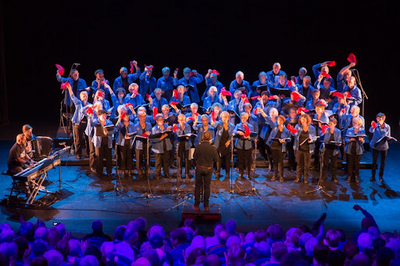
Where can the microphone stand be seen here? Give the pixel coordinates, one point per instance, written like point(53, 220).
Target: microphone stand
point(356, 75)
point(232, 191)
point(319, 187)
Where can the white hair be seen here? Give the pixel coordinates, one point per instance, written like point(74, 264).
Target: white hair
point(240, 73)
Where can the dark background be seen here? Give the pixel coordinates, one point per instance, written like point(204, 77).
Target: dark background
point(227, 36)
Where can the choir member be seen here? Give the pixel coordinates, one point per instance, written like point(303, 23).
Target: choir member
point(179, 97)
point(253, 119)
point(332, 140)
point(262, 81)
point(244, 144)
point(166, 83)
point(320, 118)
point(343, 77)
point(301, 76)
point(324, 67)
point(273, 75)
point(239, 82)
point(354, 113)
point(236, 105)
point(148, 83)
point(202, 128)
point(211, 79)
point(125, 129)
point(191, 78)
point(215, 115)
point(304, 137)
point(98, 83)
point(125, 79)
point(315, 97)
point(117, 98)
point(169, 117)
point(293, 121)
point(223, 138)
point(158, 101)
point(182, 144)
point(102, 141)
point(379, 129)
point(306, 89)
point(212, 98)
point(79, 121)
point(354, 149)
point(133, 97)
point(193, 114)
point(296, 100)
point(325, 91)
point(270, 122)
point(77, 84)
point(161, 146)
point(354, 91)
point(341, 109)
point(142, 129)
point(90, 111)
point(277, 142)
point(99, 97)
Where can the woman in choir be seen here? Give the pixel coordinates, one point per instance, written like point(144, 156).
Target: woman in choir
point(330, 148)
point(125, 128)
point(182, 144)
point(354, 149)
point(223, 139)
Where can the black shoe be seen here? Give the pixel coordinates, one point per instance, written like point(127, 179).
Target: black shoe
point(348, 180)
point(297, 180)
point(305, 180)
point(335, 180)
point(273, 178)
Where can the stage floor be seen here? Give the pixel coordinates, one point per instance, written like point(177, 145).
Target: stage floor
point(86, 197)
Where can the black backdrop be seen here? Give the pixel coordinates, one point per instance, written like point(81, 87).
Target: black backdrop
point(228, 36)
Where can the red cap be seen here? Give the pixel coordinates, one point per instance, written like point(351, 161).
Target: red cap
point(373, 124)
point(331, 64)
point(352, 58)
point(326, 75)
point(324, 128)
point(100, 94)
point(89, 111)
point(127, 105)
point(175, 93)
point(64, 85)
point(291, 129)
point(175, 128)
point(246, 131)
point(338, 94)
point(295, 95)
point(155, 112)
point(132, 66)
point(214, 71)
point(213, 118)
point(149, 67)
point(224, 92)
point(302, 109)
point(173, 103)
point(255, 97)
point(192, 73)
point(60, 69)
point(289, 83)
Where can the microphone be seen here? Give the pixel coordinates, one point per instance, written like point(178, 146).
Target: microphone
point(353, 69)
point(77, 64)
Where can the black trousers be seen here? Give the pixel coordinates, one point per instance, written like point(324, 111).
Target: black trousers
point(182, 157)
point(375, 154)
point(141, 161)
point(125, 154)
point(162, 160)
point(292, 157)
point(316, 153)
point(92, 154)
point(244, 160)
point(328, 155)
point(353, 164)
point(303, 164)
point(103, 152)
point(80, 138)
point(227, 160)
point(203, 180)
point(277, 156)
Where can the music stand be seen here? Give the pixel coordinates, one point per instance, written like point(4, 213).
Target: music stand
point(319, 188)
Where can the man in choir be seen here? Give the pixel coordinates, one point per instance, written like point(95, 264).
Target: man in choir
point(125, 79)
point(341, 109)
point(158, 101)
point(147, 82)
point(90, 111)
point(354, 113)
point(244, 144)
point(320, 118)
point(102, 141)
point(203, 127)
point(354, 91)
point(315, 97)
point(190, 80)
point(134, 97)
point(77, 84)
point(166, 83)
point(301, 76)
point(325, 91)
point(306, 89)
point(211, 80)
point(379, 129)
point(324, 67)
point(161, 146)
point(143, 129)
point(169, 117)
point(182, 144)
point(236, 105)
point(98, 83)
point(239, 82)
point(223, 138)
point(179, 97)
point(125, 129)
point(343, 77)
point(79, 121)
point(273, 75)
point(117, 98)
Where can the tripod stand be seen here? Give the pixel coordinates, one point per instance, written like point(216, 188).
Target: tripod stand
point(319, 187)
point(232, 191)
point(65, 149)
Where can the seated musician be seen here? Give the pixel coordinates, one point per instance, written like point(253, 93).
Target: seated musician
point(244, 144)
point(19, 160)
point(142, 128)
point(79, 121)
point(133, 97)
point(211, 79)
point(191, 77)
point(98, 83)
point(30, 140)
point(202, 128)
point(158, 101)
point(277, 142)
point(125, 79)
point(161, 146)
point(212, 98)
point(102, 141)
point(223, 138)
point(182, 144)
point(123, 140)
point(239, 82)
point(332, 139)
point(354, 149)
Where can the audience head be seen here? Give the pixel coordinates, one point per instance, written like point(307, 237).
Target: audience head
point(364, 241)
point(350, 249)
point(178, 237)
point(212, 260)
point(384, 256)
point(53, 257)
point(89, 260)
point(141, 262)
point(119, 233)
point(39, 247)
point(152, 256)
point(332, 238)
point(361, 260)
point(275, 232)
point(321, 252)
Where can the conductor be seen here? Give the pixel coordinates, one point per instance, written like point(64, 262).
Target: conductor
point(205, 156)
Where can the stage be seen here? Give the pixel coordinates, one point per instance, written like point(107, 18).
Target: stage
point(85, 197)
